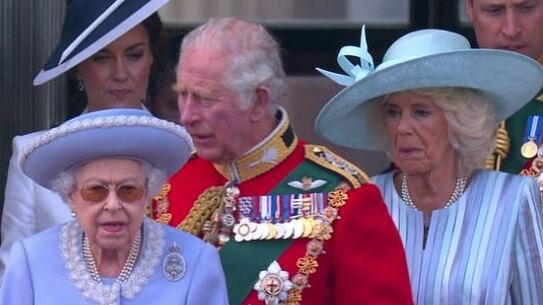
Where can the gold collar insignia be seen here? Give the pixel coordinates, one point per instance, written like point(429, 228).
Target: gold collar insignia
point(267, 154)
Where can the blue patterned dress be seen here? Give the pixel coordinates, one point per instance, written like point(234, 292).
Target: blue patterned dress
point(486, 248)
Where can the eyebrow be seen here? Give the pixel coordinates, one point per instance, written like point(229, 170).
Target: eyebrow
point(129, 48)
point(200, 90)
point(101, 181)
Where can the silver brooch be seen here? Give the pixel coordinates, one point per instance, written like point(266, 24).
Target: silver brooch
point(173, 266)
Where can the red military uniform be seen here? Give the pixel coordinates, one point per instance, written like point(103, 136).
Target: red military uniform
point(363, 260)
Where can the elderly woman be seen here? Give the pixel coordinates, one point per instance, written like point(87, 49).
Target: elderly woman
point(108, 165)
point(471, 236)
point(112, 64)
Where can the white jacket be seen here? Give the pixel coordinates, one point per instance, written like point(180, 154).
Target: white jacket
point(28, 207)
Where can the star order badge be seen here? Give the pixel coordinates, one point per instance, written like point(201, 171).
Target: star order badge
point(273, 285)
point(174, 266)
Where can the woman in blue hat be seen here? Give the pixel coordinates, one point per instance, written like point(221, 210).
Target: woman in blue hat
point(108, 47)
point(108, 165)
point(471, 236)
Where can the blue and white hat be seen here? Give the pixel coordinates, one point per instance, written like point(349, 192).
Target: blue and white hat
point(90, 26)
point(423, 59)
point(123, 133)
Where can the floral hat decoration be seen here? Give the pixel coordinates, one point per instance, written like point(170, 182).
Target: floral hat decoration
point(422, 59)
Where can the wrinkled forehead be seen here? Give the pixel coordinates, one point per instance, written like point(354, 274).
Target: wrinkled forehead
point(118, 168)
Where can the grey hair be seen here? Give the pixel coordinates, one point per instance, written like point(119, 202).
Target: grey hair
point(65, 182)
point(254, 57)
point(470, 118)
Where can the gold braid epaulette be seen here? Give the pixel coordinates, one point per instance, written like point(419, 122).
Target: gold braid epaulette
point(329, 160)
point(207, 203)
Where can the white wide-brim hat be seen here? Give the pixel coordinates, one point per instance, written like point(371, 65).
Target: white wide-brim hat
point(113, 133)
point(91, 25)
point(423, 59)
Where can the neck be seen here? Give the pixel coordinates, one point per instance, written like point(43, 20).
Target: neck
point(433, 189)
point(278, 143)
point(91, 107)
point(110, 262)
point(259, 132)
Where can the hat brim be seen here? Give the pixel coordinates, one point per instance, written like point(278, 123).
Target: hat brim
point(163, 144)
point(506, 79)
point(100, 38)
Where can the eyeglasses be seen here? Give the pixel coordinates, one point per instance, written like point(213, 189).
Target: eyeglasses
point(127, 193)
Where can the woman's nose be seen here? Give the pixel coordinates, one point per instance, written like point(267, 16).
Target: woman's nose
point(119, 70)
point(112, 202)
point(404, 123)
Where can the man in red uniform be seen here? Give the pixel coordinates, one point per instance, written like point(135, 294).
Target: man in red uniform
point(295, 223)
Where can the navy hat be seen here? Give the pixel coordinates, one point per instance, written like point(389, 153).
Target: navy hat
point(90, 26)
point(122, 133)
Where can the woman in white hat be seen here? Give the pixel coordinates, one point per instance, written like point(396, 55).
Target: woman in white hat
point(108, 46)
point(108, 165)
point(471, 236)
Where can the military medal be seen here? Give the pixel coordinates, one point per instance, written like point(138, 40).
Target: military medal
point(174, 266)
point(308, 226)
point(280, 227)
point(244, 230)
point(261, 231)
point(288, 230)
point(298, 228)
point(529, 149)
point(272, 231)
point(532, 137)
point(289, 216)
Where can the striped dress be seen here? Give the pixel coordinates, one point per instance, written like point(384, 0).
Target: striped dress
point(486, 248)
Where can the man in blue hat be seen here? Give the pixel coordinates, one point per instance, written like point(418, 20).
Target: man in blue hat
point(515, 25)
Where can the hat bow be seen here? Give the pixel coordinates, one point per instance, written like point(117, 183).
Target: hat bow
point(354, 72)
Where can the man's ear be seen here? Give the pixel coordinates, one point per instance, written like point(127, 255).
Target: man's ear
point(468, 6)
point(261, 103)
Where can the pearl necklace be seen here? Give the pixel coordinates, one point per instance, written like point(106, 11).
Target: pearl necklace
point(152, 248)
point(128, 265)
point(459, 188)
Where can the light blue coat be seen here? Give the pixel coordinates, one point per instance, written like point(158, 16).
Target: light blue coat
point(36, 274)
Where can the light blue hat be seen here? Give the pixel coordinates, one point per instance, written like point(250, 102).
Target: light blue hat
point(423, 59)
point(126, 133)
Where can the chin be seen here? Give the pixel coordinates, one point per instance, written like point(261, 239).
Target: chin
point(209, 154)
point(114, 245)
point(414, 168)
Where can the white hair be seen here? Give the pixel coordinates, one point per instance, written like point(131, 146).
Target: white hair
point(65, 182)
point(470, 119)
point(254, 57)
